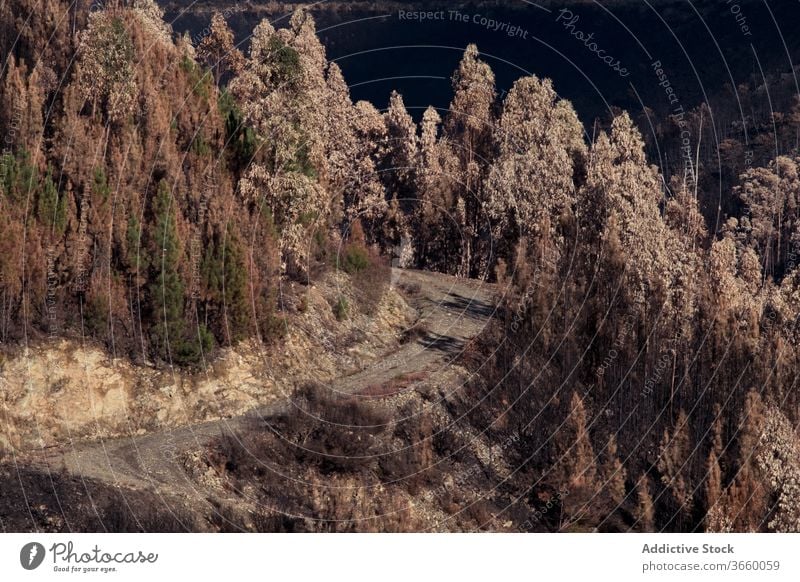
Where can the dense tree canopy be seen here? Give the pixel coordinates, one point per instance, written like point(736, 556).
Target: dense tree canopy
point(153, 196)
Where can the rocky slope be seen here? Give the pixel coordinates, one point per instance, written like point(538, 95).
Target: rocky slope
point(407, 464)
point(62, 391)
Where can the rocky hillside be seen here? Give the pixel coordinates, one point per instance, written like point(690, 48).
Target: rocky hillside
point(60, 390)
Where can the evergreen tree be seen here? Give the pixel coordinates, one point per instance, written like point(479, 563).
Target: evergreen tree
point(166, 289)
point(52, 206)
point(225, 280)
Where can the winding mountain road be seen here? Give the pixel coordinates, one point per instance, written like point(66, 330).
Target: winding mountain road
point(450, 311)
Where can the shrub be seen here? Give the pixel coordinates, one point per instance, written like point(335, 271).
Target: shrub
point(340, 309)
point(369, 271)
point(192, 351)
point(355, 260)
point(273, 327)
point(339, 434)
point(355, 255)
point(95, 315)
point(372, 283)
point(122, 515)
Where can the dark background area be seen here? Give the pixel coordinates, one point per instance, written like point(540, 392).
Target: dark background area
point(701, 45)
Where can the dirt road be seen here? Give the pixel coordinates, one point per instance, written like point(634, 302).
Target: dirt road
point(450, 313)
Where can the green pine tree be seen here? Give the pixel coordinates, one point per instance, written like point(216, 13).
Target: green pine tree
point(52, 207)
point(225, 278)
point(236, 305)
point(166, 289)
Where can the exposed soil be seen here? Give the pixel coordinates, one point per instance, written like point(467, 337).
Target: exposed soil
point(451, 312)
